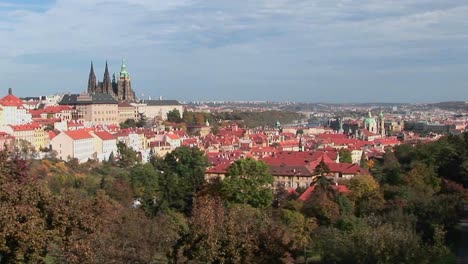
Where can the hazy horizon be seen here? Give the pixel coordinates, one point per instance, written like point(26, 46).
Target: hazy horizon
point(331, 51)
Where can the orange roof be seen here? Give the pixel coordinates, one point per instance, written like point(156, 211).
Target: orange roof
point(51, 134)
point(11, 100)
point(78, 134)
point(56, 109)
point(25, 127)
point(104, 135)
point(219, 168)
point(173, 136)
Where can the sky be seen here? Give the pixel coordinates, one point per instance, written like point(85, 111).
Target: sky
point(337, 51)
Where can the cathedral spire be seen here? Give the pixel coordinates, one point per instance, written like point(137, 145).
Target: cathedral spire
point(106, 82)
point(92, 80)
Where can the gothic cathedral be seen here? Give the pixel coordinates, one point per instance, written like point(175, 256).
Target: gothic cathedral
point(120, 89)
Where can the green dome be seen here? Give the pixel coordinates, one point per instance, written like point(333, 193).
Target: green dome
point(123, 70)
point(370, 120)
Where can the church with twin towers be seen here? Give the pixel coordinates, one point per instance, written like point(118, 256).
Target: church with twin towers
point(120, 88)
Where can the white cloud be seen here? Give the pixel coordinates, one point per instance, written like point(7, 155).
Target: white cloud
point(279, 40)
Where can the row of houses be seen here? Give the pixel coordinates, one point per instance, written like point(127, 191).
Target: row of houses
point(291, 169)
point(90, 109)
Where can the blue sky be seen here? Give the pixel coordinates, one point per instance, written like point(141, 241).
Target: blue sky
point(308, 51)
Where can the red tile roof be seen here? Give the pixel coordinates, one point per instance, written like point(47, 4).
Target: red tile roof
point(104, 135)
point(51, 134)
point(287, 170)
point(78, 134)
point(25, 127)
point(11, 100)
point(173, 136)
point(347, 168)
point(332, 136)
point(219, 168)
point(56, 109)
point(298, 158)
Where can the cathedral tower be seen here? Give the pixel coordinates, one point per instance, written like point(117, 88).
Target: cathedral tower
point(124, 85)
point(120, 88)
point(92, 80)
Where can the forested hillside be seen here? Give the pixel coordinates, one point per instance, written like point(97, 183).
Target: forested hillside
point(123, 211)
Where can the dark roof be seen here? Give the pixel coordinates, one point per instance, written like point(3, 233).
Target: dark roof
point(162, 102)
point(83, 99)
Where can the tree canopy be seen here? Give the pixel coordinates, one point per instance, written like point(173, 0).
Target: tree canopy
point(248, 182)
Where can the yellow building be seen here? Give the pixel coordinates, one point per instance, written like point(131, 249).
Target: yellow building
point(127, 111)
point(41, 139)
point(32, 133)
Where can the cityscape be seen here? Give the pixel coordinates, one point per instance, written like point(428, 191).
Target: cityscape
point(286, 160)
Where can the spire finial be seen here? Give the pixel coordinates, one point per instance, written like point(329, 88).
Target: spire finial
point(10, 91)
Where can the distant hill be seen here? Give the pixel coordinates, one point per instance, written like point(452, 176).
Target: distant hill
point(453, 106)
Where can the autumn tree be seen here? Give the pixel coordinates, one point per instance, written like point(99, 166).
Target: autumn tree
point(238, 234)
point(366, 194)
point(322, 204)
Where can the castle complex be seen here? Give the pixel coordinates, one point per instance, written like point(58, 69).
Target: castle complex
point(120, 89)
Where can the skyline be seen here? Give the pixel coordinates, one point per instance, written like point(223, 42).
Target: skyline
point(321, 51)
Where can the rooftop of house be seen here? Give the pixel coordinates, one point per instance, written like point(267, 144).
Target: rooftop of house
point(162, 102)
point(104, 135)
point(11, 100)
point(86, 99)
point(78, 134)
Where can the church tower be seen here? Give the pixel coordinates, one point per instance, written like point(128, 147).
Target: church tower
point(370, 123)
point(381, 124)
point(106, 82)
point(124, 86)
point(92, 80)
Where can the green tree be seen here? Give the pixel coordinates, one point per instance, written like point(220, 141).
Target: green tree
point(142, 121)
point(174, 116)
point(129, 123)
point(363, 161)
point(248, 182)
point(392, 173)
point(145, 184)
point(321, 179)
point(345, 156)
point(380, 244)
point(182, 174)
point(127, 156)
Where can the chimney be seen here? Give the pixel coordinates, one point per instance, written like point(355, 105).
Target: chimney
point(10, 91)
